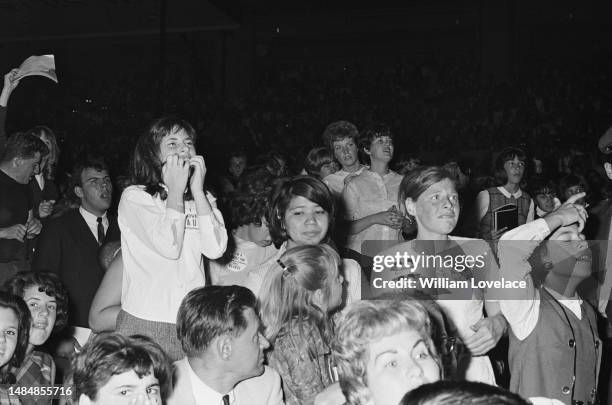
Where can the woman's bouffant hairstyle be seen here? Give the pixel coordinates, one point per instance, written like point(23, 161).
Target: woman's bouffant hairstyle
point(337, 131)
point(290, 288)
point(501, 178)
point(418, 181)
point(111, 354)
point(249, 202)
point(308, 187)
point(54, 152)
point(316, 159)
point(365, 322)
point(19, 307)
point(48, 283)
point(145, 167)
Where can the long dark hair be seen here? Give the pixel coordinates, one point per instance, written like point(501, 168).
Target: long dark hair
point(19, 307)
point(145, 167)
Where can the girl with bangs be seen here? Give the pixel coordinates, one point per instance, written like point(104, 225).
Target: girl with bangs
point(509, 171)
point(168, 223)
point(15, 332)
point(47, 300)
point(300, 212)
point(302, 291)
point(429, 196)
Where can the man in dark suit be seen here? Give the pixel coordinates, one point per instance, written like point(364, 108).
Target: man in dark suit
point(69, 245)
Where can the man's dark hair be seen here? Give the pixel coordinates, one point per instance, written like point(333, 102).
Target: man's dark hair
point(112, 354)
point(461, 393)
point(25, 146)
point(48, 283)
point(88, 161)
point(209, 312)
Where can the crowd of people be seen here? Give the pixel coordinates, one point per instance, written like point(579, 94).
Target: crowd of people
point(257, 282)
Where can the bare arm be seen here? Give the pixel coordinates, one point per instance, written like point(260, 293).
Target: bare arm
point(107, 302)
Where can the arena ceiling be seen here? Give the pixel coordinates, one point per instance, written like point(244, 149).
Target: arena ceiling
point(26, 20)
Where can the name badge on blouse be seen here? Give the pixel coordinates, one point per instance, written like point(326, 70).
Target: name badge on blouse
point(238, 262)
point(191, 220)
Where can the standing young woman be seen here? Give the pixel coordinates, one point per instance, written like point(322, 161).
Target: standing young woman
point(509, 172)
point(167, 223)
point(429, 195)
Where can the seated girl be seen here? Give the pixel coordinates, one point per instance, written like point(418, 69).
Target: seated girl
point(15, 330)
point(320, 163)
point(301, 211)
point(250, 247)
point(384, 349)
point(47, 300)
point(301, 292)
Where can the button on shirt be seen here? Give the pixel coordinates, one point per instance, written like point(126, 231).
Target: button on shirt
point(522, 311)
point(92, 222)
point(203, 394)
point(367, 194)
point(335, 181)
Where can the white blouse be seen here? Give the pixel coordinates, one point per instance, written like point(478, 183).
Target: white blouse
point(162, 252)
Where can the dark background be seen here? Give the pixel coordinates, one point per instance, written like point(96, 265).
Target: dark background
point(449, 76)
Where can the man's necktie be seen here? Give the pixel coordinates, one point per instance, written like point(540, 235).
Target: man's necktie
point(100, 231)
point(226, 399)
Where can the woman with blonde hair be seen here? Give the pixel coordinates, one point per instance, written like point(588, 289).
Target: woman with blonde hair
point(301, 294)
point(384, 349)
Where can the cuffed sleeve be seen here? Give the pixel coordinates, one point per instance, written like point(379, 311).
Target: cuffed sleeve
point(212, 232)
point(521, 307)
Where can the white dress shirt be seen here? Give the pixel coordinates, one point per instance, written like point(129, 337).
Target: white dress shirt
point(92, 221)
point(203, 394)
point(162, 252)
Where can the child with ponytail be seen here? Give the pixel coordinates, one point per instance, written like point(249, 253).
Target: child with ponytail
point(298, 297)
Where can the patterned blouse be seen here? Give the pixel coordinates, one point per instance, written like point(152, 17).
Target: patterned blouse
point(37, 369)
point(303, 376)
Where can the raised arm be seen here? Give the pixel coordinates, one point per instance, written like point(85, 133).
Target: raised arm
point(521, 306)
point(9, 85)
point(212, 228)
